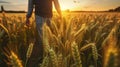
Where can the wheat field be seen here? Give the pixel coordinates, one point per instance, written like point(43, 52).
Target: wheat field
point(77, 40)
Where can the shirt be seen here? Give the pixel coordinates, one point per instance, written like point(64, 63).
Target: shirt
point(43, 8)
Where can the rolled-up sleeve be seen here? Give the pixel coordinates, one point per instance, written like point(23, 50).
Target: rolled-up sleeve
point(30, 8)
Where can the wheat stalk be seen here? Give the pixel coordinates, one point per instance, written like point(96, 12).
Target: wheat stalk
point(45, 62)
point(76, 55)
point(78, 36)
point(54, 28)
point(60, 63)
point(14, 60)
point(2, 33)
point(6, 30)
point(29, 52)
point(94, 52)
point(68, 30)
point(112, 61)
point(53, 58)
point(87, 46)
point(45, 39)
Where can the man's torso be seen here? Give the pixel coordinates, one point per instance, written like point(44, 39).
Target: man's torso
point(43, 8)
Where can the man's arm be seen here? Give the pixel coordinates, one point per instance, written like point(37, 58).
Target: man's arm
point(57, 7)
point(30, 9)
point(29, 13)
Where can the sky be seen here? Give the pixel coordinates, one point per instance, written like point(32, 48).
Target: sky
point(87, 5)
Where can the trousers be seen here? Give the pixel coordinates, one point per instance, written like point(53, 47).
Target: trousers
point(39, 23)
point(37, 54)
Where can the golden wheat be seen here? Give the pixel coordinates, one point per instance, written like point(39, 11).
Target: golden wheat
point(14, 60)
point(94, 52)
point(29, 52)
point(53, 58)
point(67, 42)
point(45, 62)
point(76, 55)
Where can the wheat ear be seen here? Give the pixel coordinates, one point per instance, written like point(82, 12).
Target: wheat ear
point(14, 60)
point(29, 52)
point(53, 57)
point(94, 52)
point(45, 62)
point(76, 55)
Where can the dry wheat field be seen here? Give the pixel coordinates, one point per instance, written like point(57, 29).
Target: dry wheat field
point(77, 40)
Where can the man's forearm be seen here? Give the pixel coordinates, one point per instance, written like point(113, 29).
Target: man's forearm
point(59, 11)
point(57, 7)
point(30, 8)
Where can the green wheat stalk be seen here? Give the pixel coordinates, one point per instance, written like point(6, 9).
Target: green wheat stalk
point(45, 62)
point(14, 60)
point(53, 58)
point(76, 55)
point(29, 52)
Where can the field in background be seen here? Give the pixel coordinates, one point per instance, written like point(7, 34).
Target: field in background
point(78, 40)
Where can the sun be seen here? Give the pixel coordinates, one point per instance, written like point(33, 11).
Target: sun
point(66, 7)
point(66, 4)
point(63, 8)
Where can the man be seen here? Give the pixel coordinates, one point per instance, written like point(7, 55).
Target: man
point(43, 9)
point(43, 13)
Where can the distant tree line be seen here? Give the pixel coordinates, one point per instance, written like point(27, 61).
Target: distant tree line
point(10, 11)
point(13, 11)
point(115, 10)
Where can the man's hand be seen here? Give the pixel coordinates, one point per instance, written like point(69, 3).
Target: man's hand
point(57, 7)
point(27, 22)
